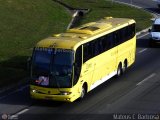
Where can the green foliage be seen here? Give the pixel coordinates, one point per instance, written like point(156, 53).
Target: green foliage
point(103, 8)
point(23, 23)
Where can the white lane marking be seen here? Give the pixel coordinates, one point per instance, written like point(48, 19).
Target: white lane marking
point(17, 114)
point(142, 50)
point(20, 89)
point(142, 35)
point(130, 4)
point(22, 111)
point(147, 78)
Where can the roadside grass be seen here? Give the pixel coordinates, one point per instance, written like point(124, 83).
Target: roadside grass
point(103, 8)
point(22, 24)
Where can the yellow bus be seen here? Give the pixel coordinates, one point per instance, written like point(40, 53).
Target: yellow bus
point(66, 66)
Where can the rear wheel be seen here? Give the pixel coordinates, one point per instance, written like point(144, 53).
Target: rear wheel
point(125, 66)
point(119, 70)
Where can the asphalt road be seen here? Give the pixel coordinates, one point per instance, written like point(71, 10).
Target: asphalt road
point(149, 5)
point(141, 3)
point(134, 95)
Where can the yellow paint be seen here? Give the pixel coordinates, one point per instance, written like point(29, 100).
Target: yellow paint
point(95, 68)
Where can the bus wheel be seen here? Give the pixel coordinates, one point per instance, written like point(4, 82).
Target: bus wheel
point(119, 70)
point(125, 66)
point(83, 92)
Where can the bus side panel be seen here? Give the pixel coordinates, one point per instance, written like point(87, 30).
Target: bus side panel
point(113, 60)
point(133, 50)
point(87, 71)
point(101, 68)
point(105, 65)
point(126, 51)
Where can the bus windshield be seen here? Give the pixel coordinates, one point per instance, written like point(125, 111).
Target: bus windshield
point(52, 67)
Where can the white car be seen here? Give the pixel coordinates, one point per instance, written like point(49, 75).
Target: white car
point(158, 2)
point(155, 32)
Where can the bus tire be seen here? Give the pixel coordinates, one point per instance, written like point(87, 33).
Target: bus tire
point(125, 65)
point(119, 70)
point(83, 92)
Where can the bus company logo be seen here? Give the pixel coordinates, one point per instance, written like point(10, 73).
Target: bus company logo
point(4, 116)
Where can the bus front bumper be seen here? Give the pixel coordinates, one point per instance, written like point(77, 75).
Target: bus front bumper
point(65, 98)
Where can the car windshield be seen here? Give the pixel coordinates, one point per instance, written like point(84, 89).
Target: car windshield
point(156, 28)
point(53, 66)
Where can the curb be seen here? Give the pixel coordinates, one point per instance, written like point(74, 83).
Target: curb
point(143, 31)
point(135, 6)
point(156, 15)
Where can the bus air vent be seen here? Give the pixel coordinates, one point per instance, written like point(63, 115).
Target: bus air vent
point(108, 17)
point(83, 37)
point(91, 28)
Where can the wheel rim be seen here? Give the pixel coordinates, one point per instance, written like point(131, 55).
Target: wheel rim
point(119, 71)
point(83, 92)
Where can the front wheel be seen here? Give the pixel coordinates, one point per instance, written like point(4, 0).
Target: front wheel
point(83, 92)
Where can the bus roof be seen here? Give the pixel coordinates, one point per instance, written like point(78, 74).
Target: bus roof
point(76, 36)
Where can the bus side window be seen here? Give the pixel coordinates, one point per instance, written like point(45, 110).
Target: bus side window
point(78, 56)
point(104, 43)
point(116, 37)
point(130, 31)
point(95, 45)
point(110, 41)
point(78, 64)
point(132, 28)
point(122, 35)
point(100, 44)
point(87, 51)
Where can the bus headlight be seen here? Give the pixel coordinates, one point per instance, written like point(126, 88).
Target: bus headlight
point(34, 91)
point(65, 93)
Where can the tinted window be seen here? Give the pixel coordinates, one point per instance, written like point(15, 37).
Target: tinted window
point(106, 42)
point(88, 51)
point(78, 64)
